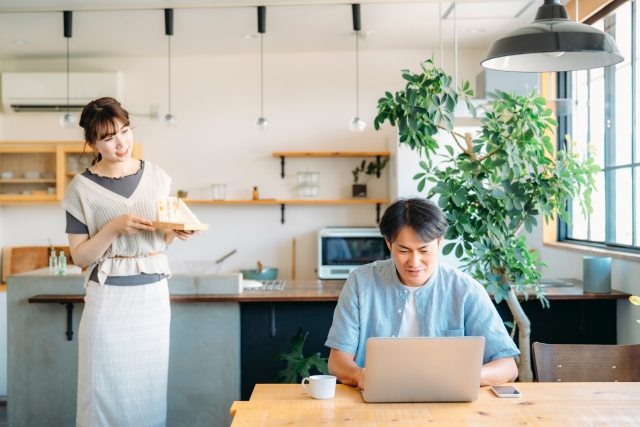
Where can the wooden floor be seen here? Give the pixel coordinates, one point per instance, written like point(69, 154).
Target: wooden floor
point(541, 404)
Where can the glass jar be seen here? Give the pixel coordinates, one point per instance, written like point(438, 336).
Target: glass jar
point(219, 191)
point(308, 190)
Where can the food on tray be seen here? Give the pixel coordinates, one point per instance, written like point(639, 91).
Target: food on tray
point(173, 210)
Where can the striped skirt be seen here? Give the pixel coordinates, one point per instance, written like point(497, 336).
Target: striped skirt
point(124, 356)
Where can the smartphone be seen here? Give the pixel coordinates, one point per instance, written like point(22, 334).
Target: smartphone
point(505, 391)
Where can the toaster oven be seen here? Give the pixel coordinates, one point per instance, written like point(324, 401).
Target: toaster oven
point(342, 249)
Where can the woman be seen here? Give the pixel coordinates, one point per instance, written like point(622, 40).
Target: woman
point(124, 331)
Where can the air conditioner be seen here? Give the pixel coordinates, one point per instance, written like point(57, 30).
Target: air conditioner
point(43, 92)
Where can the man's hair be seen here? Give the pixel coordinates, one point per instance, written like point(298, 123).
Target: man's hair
point(423, 216)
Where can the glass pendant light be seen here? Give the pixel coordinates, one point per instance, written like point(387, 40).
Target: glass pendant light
point(553, 43)
point(68, 120)
point(262, 123)
point(169, 120)
point(357, 124)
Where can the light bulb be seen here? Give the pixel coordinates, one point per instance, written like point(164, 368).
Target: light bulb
point(170, 121)
point(357, 125)
point(262, 124)
point(553, 54)
point(68, 121)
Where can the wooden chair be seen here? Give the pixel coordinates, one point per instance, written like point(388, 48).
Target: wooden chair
point(586, 363)
point(20, 259)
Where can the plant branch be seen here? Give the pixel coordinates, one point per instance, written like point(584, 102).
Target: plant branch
point(486, 156)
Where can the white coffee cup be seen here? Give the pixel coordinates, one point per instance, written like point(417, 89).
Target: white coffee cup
point(321, 386)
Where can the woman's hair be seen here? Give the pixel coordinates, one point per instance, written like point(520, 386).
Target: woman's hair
point(423, 216)
point(99, 120)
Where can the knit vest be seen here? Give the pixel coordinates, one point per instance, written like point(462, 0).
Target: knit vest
point(95, 206)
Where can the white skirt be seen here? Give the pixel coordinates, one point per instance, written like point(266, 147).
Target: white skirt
point(124, 356)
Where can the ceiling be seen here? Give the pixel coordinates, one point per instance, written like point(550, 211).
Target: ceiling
point(136, 28)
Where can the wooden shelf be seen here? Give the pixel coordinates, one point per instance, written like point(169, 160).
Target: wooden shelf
point(28, 181)
point(283, 203)
point(332, 154)
point(288, 202)
point(8, 199)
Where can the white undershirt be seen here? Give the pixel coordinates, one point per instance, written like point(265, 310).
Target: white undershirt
point(409, 326)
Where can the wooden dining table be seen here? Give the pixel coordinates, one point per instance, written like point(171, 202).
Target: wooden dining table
point(540, 404)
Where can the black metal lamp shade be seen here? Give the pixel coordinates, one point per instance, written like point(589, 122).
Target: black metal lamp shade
point(553, 43)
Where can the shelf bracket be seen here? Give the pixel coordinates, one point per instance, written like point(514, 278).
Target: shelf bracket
point(282, 166)
point(69, 307)
point(378, 171)
point(377, 213)
point(272, 320)
point(282, 213)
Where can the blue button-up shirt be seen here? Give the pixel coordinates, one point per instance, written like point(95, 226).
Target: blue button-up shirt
point(450, 304)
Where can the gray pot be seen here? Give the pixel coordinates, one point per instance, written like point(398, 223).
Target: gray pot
point(596, 275)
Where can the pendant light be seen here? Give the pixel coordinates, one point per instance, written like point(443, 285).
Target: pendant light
point(553, 43)
point(68, 120)
point(169, 120)
point(262, 123)
point(357, 124)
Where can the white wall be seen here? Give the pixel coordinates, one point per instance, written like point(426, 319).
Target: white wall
point(309, 100)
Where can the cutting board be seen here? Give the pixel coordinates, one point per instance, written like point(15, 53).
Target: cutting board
point(180, 226)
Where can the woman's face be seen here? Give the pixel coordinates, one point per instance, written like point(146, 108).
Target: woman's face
point(116, 148)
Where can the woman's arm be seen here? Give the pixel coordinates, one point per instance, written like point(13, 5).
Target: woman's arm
point(343, 367)
point(499, 371)
point(85, 250)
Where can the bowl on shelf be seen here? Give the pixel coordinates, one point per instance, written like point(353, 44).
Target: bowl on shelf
point(32, 175)
point(48, 175)
point(6, 175)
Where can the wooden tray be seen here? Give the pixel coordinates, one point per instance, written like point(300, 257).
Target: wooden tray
point(180, 226)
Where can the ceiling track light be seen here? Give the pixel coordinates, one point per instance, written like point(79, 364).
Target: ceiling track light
point(553, 43)
point(68, 120)
point(169, 120)
point(357, 124)
point(262, 123)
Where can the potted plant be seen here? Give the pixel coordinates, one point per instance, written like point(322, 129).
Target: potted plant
point(298, 366)
point(493, 185)
point(359, 188)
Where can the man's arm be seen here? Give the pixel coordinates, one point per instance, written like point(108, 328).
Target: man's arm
point(498, 371)
point(342, 365)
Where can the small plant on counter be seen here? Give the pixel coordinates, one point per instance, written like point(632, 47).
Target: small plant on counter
point(297, 365)
point(493, 185)
point(373, 168)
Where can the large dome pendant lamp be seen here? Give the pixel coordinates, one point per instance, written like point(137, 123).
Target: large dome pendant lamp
point(68, 120)
point(169, 120)
point(553, 43)
point(262, 123)
point(357, 124)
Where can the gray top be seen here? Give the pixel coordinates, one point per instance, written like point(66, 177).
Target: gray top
point(450, 304)
point(125, 187)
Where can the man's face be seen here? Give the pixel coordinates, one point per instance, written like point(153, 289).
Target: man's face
point(415, 260)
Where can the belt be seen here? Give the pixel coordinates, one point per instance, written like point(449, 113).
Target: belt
point(135, 256)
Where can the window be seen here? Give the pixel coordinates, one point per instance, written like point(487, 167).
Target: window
point(604, 113)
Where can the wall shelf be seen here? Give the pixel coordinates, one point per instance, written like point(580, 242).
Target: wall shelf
point(283, 203)
point(28, 181)
point(283, 154)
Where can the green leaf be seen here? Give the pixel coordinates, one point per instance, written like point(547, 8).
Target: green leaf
point(421, 185)
point(412, 123)
point(449, 149)
point(498, 194)
point(551, 121)
point(419, 175)
point(446, 250)
point(459, 250)
point(297, 365)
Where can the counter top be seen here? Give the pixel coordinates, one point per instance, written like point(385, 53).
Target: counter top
point(320, 291)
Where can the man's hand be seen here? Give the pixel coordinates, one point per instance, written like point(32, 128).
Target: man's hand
point(499, 371)
point(343, 366)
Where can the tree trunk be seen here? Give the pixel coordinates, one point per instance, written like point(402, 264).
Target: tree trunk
point(522, 322)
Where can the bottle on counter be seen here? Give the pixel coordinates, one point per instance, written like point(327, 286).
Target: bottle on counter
point(53, 263)
point(255, 193)
point(62, 264)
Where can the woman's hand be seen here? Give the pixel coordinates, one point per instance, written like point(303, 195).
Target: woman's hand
point(183, 235)
point(129, 224)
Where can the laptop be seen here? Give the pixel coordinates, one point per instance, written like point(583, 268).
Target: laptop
point(443, 369)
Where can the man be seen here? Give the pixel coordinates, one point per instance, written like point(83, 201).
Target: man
point(412, 295)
